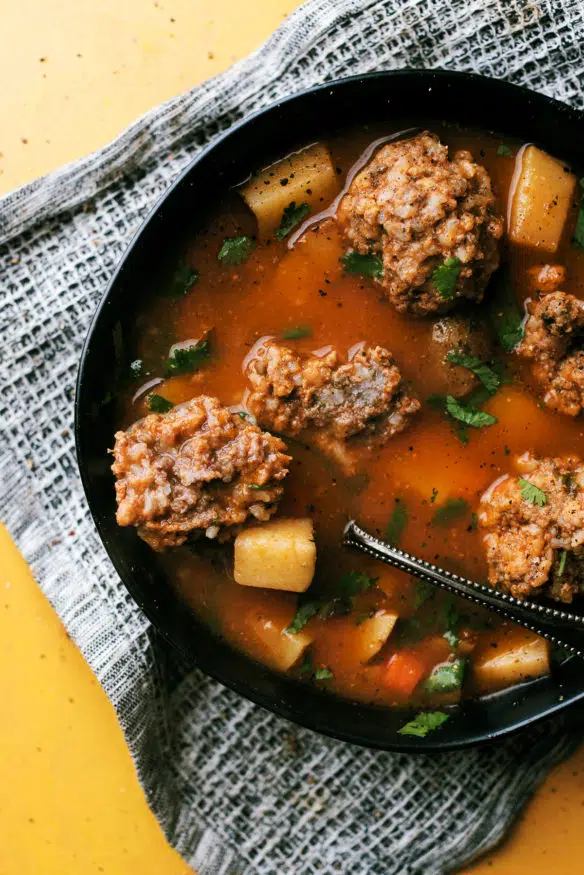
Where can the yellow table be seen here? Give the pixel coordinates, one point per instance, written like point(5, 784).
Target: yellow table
point(74, 73)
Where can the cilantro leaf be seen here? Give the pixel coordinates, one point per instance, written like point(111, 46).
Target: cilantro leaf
point(307, 666)
point(158, 404)
point(188, 358)
point(578, 238)
point(363, 265)
point(291, 217)
point(451, 621)
point(504, 151)
point(532, 493)
point(353, 583)
point(451, 510)
point(445, 277)
point(562, 562)
point(490, 379)
point(236, 250)
point(182, 280)
point(467, 414)
point(505, 315)
point(424, 591)
point(323, 674)
point(423, 723)
point(304, 613)
point(446, 678)
point(297, 331)
point(397, 523)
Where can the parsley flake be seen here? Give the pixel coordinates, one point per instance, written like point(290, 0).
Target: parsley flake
point(236, 250)
point(424, 591)
point(291, 217)
point(182, 280)
point(188, 358)
point(505, 315)
point(350, 585)
point(363, 265)
point(504, 151)
point(468, 414)
point(397, 523)
point(532, 493)
point(307, 667)
point(296, 332)
point(446, 677)
point(158, 404)
point(490, 379)
point(423, 723)
point(323, 674)
point(445, 277)
point(562, 563)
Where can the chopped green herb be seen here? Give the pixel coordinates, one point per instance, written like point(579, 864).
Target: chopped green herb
point(451, 621)
point(304, 613)
point(158, 404)
point(434, 495)
point(363, 265)
point(423, 723)
point(242, 414)
point(446, 678)
point(578, 238)
point(451, 510)
point(397, 523)
point(307, 666)
point(259, 486)
point(182, 280)
point(323, 674)
point(424, 591)
point(468, 414)
point(236, 250)
point(504, 151)
point(445, 277)
point(474, 521)
point(297, 331)
point(490, 379)
point(353, 583)
point(562, 565)
point(507, 450)
point(504, 314)
point(136, 367)
point(291, 217)
point(532, 493)
point(185, 359)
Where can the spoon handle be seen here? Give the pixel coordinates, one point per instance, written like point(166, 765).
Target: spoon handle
point(560, 627)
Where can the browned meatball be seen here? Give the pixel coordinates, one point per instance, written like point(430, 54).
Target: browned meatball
point(417, 209)
point(197, 469)
point(455, 334)
point(364, 398)
point(554, 341)
point(535, 541)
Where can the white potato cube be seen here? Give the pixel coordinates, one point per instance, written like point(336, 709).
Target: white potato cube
point(540, 201)
point(270, 643)
point(306, 177)
point(279, 554)
point(372, 633)
point(525, 659)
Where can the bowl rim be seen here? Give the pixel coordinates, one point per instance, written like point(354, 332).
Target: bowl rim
point(396, 743)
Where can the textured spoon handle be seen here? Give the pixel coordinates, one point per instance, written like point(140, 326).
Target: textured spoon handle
point(560, 627)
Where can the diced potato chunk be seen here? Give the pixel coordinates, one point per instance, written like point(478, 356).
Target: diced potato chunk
point(526, 658)
point(541, 201)
point(372, 633)
point(270, 643)
point(309, 176)
point(279, 554)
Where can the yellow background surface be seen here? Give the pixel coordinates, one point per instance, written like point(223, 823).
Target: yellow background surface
point(73, 74)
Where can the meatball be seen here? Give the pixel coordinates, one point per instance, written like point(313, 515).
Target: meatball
point(554, 341)
point(417, 209)
point(455, 334)
point(197, 469)
point(534, 540)
point(338, 407)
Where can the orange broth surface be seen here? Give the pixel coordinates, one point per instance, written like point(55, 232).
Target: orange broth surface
point(279, 288)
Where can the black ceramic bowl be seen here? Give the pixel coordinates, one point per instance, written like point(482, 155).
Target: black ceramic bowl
point(416, 96)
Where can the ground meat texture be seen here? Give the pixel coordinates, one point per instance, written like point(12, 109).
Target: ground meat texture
point(416, 209)
point(554, 341)
point(197, 469)
point(339, 407)
point(532, 550)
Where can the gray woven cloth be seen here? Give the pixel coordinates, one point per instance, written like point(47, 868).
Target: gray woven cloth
point(236, 789)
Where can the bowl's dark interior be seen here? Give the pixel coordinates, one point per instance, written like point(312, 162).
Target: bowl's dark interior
point(459, 98)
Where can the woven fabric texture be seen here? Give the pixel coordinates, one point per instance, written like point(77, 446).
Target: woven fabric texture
point(236, 789)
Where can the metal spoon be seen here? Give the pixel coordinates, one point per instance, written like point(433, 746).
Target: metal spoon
point(558, 626)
